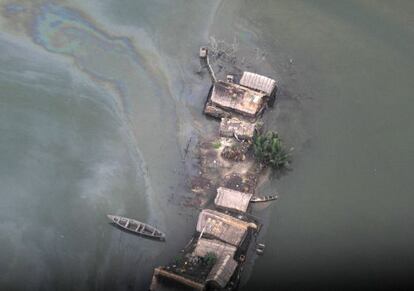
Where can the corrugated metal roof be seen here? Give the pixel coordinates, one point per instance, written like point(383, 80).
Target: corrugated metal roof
point(258, 82)
point(232, 199)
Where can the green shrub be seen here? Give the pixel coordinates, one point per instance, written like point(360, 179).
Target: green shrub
point(217, 144)
point(210, 259)
point(269, 151)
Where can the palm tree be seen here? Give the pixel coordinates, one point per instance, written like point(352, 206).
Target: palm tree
point(269, 151)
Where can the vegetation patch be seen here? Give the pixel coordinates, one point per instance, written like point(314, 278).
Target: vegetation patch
point(217, 144)
point(269, 150)
point(210, 259)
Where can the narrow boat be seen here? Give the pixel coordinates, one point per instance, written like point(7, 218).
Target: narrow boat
point(256, 199)
point(137, 227)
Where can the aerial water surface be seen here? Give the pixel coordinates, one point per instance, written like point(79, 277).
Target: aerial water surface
point(99, 100)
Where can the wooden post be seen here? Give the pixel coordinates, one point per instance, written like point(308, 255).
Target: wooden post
point(204, 56)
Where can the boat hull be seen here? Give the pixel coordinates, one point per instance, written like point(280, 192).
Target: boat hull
point(263, 199)
point(137, 227)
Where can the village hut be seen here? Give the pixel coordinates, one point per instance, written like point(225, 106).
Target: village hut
point(220, 249)
point(225, 265)
point(232, 199)
point(222, 271)
point(259, 83)
point(239, 99)
point(234, 127)
point(224, 227)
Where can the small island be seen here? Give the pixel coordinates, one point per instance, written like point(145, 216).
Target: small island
point(233, 163)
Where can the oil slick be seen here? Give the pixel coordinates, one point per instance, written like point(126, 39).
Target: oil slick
point(129, 74)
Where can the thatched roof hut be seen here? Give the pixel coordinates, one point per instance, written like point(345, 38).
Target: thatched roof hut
point(258, 82)
point(230, 127)
point(232, 199)
point(237, 98)
point(205, 246)
point(222, 271)
point(225, 265)
point(222, 226)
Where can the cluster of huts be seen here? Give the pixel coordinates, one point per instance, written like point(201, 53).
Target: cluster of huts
point(222, 232)
point(213, 259)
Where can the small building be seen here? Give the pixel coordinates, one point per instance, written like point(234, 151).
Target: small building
point(232, 199)
point(239, 99)
point(217, 277)
point(225, 265)
point(205, 246)
point(222, 272)
point(258, 83)
point(224, 227)
point(248, 98)
point(234, 127)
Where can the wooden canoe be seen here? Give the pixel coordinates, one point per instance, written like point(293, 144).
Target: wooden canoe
point(137, 227)
point(256, 199)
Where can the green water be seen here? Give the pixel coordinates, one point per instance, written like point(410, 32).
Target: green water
point(99, 99)
point(344, 220)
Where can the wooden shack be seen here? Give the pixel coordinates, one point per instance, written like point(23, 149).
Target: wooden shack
point(222, 272)
point(224, 227)
point(232, 199)
point(235, 127)
point(258, 83)
point(225, 265)
point(205, 246)
point(233, 97)
point(248, 98)
point(165, 278)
